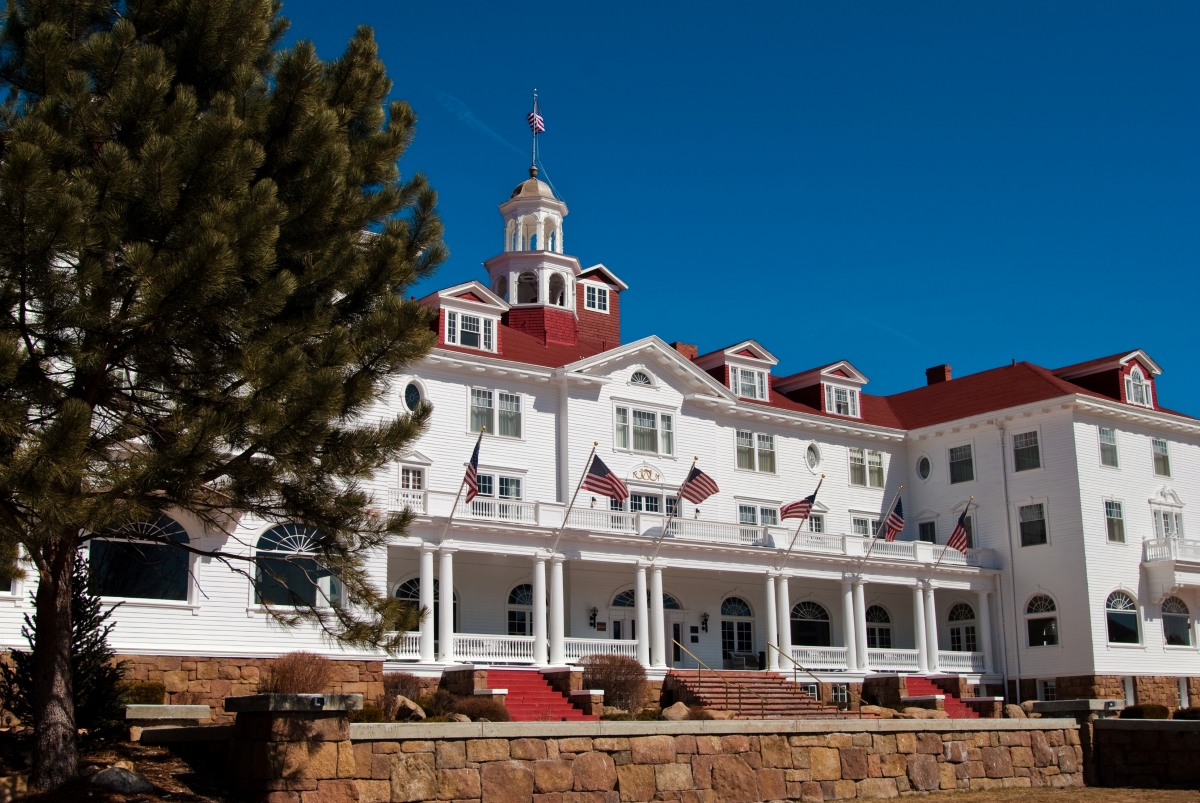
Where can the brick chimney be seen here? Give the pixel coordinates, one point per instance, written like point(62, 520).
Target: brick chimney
point(686, 349)
point(936, 374)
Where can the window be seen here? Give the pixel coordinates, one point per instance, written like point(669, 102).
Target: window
point(1184, 702)
point(482, 410)
point(748, 384)
point(1043, 629)
point(1049, 690)
point(652, 432)
point(1177, 623)
point(962, 628)
point(622, 421)
point(410, 591)
point(969, 526)
point(668, 434)
point(1108, 447)
point(497, 497)
point(737, 635)
point(755, 452)
point(858, 467)
point(596, 298)
point(927, 531)
point(412, 479)
point(924, 468)
point(1167, 523)
point(813, 455)
point(470, 331)
point(816, 523)
point(841, 401)
point(520, 611)
point(810, 625)
point(879, 628)
point(642, 503)
point(645, 431)
point(860, 526)
point(1121, 612)
point(640, 378)
point(1033, 524)
point(752, 514)
point(811, 690)
point(1137, 389)
point(625, 599)
point(510, 488)
point(839, 694)
point(288, 572)
point(1114, 519)
point(510, 415)
point(412, 395)
point(962, 465)
point(875, 469)
point(1025, 451)
point(1162, 459)
point(138, 562)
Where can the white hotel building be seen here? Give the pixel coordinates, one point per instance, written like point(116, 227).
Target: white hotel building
point(1080, 580)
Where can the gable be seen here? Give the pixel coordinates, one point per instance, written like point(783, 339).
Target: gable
point(470, 297)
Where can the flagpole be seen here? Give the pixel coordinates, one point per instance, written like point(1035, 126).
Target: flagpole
point(458, 495)
point(788, 554)
point(671, 515)
point(945, 549)
point(535, 133)
point(890, 508)
point(586, 466)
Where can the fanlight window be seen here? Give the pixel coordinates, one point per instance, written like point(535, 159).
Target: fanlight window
point(520, 611)
point(810, 624)
point(1137, 390)
point(879, 628)
point(962, 612)
point(521, 595)
point(410, 591)
point(1041, 604)
point(640, 378)
point(735, 606)
point(625, 599)
point(962, 628)
point(1041, 624)
point(1177, 622)
point(288, 572)
point(878, 615)
point(139, 562)
point(1121, 612)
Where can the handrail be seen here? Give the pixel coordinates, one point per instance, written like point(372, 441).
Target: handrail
point(796, 664)
point(762, 701)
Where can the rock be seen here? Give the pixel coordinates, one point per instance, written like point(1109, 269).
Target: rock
point(506, 782)
point(675, 713)
point(1014, 712)
point(595, 772)
point(459, 718)
point(879, 711)
point(119, 779)
point(916, 713)
point(923, 772)
point(413, 778)
point(1027, 707)
point(612, 711)
point(717, 713)
point(407, 710)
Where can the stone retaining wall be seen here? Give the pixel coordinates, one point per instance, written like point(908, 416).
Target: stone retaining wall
point(1147, 752)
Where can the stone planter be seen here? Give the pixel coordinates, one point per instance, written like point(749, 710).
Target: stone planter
point(142, 717)
point(293, 702)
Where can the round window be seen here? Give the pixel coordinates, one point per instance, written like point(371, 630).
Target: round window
point(412, 395)
point(813, 455)
point(924, 468)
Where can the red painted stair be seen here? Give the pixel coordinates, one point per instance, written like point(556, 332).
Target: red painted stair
point(922, 687)
point(531, 699)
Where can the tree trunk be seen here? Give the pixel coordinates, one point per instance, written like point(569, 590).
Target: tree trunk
point(55, 758)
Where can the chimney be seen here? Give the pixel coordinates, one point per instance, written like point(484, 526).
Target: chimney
point(936, 374)
point(686, 349)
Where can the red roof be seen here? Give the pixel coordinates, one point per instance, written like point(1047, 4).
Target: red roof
point(520, 347)
point(1082, 367)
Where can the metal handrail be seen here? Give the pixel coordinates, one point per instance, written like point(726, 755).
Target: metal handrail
point(797, 665)
point(762, 701)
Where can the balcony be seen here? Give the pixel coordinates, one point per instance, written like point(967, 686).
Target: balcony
point(833, 659)
point(1171, 564)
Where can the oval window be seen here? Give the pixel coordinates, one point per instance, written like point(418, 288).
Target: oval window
point(924, 468)
point(813, 455)
point(412, 396)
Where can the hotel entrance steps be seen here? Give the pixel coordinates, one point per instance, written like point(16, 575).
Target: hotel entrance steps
point(781, 699)
point(923, 687)
point(531, 699)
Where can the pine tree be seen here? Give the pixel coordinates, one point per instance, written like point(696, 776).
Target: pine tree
point(204, 247)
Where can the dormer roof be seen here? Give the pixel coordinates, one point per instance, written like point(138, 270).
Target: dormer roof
point(1119, 360)
point(601, 272)
point(471, 293)
point(840, 372)
point(746, 350)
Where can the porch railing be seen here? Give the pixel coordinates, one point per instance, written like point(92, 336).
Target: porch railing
point(577, 648)
point(503, 649)
point(404, 499)
point(954, 661)
point(824, 659)
point(890, 660)
point(603, 520)
point(409, 648)
point(895, 549)
point(1170, 549)
point(498, 510)
point(717, 531)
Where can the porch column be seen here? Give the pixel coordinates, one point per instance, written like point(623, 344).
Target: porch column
point(658, 651)
point(860, 625)
point(931, 638)
point(446, 603)
point(539, 611)
point(558, 640)
point(641, 617)
point(985, 630)
point(770, 622)
point(426, 600)
point(783, 610)
point(848, 626)
point(919, 628)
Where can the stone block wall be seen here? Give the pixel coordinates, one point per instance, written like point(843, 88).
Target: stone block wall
point(1147, 753)
point(293, 757)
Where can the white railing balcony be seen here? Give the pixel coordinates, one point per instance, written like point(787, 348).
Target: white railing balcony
point(493, 649)
point(813, 542)
point(400, 499)
point(903, 550)
point(498, 510)
point(696, 530)
point(577, 648)
point(1170, 549)
point(409, 648)
point(890, 660)
point(954, 661)
point(612, 521)
point(822, 659)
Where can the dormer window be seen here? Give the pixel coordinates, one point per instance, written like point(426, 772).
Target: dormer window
point(1137, 389)
point(841, 401)
point(470, 331)
point(596, 298)
point(748, 384)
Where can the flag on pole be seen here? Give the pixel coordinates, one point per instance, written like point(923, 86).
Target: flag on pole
point(472, 477)
point(800, 509)
point(893, 525)
point(698, 486)
point(536, 123)
point(602, 480)
point(958, 538)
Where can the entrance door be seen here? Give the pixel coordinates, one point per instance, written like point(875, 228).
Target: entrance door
point(677, 634)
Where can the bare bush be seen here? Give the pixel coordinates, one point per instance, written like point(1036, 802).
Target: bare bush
point(297, 673)
point(622, 678)
point(482, 708)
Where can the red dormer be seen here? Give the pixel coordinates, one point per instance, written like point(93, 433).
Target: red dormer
point(835, 388)
point(598, 303)
point(469, 317)
point(744, 368)
point(1126, 377)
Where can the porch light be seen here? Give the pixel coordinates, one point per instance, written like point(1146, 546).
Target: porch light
point(592, 616)
point(593, 502)
point(697, 512)
point(704, 622)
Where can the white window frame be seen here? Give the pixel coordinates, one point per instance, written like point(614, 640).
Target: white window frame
point(493, 428)
point(1054, 614)
point(917, 467)
point(1143, 384)
point(760, 382)
point(756, 440)
point(1154, 455)
point(594, 295)
point(1106, 504)
point(873, 523)
point(630, 407)
point(487, 330)
point(1164, 527)
point(950, 464)
point(1044, 502)
point(816, 522)
point(921, 524)
point(815, 469)
point(496, 475)
point(1116, 445)
point(1037, 434)
point(853, 405)
point(406, 476)
point(758, 506)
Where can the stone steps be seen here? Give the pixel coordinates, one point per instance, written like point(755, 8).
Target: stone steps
point(531, 699)
point(955, 708)
point(763, 695)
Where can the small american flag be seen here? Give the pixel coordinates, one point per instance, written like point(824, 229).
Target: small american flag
point(894, 523)
point(698, 486)
point(958, 538)
point(798, 510)
point(599, 478)
point(536, 123)
point(472, 477)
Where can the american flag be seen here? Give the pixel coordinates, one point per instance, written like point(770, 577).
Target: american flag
point(599, 478)
point(535, 120)
point(958, 538)
point(471, 480)
point(894, 523)
point(698, 486)
point(798, 510)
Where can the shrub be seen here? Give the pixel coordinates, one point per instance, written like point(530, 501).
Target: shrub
point(439, 704)
point(143, 693)
point(1147, 711)
point(1188, 713)
point(370, 712)
point(297, 673)
point(622, 678)
point(698, 712)
point(395, 686)
point(482, 707)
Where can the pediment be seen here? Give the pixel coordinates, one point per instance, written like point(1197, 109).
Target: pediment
point(1166, 496)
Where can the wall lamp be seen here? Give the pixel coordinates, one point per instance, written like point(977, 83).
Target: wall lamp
point(592, 617)
point(704, 622)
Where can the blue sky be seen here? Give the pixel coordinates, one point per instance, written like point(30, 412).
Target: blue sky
point(897, 184)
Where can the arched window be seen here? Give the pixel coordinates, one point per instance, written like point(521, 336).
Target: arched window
point(625, 599)
point(501, 287)
point(810, 625)
point(1177, 622)
point(287, 572)
point(1041, 621)
point(735, 606)
point(962, 628)
point(527, 288)
point(879, 628)
point(737, 627)
point(1137, 390)
point(410, 591)
point(1121, 612)
point(558, 290)
point(640, 378)
point(520, 610)
point(138, 561)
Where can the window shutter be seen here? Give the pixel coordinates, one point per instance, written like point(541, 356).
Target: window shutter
point(762, 386)
point(452, 327)
point(828, 399)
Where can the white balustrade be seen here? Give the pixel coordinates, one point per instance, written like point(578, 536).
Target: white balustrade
point(827, 659)
point(895, 549)
point(579, 647)
point(409, 648)
point(1170, 549)
point(495, 649)
point(400, 499)
point(889, 660)
point(498, 510)
point(603, 520)
point(954, 661)
point(817, 542)
point(716, 531)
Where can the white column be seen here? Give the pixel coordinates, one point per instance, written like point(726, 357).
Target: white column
point(446, 601)
point(770, 621)
point(539, 611)
point(426, 592)
point(641, 617)
point(658, 641)
point(985, 630)
point(848, 638)
point(919, 628)
point(541, 235)
point(860, 625)
point(783, 610)
point(558, 639)
point(931, 628)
